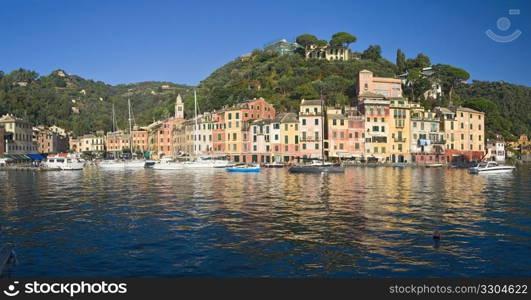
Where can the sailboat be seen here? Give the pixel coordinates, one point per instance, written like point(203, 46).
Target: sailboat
point(321, 166)
point(202, 162)
point(124, 164)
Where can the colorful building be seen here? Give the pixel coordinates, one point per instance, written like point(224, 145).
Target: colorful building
point(337, 139)
point(387, 87)
point(311, 129)
point(495, 150)
point(18, 135)
point(356, 134)
point(399, 130)
point(286, 143)
point(464, 130)
point(50, 140)
point(427, 144)
point(375, 109)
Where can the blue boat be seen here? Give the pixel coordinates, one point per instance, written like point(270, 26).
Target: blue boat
point(400, 166)
point(244, 169)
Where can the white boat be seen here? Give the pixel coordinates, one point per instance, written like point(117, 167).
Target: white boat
point(490, 167)
point(64, 163)
point(274, 165)
point(202, 163)
point(434, 165)
point(122, 164)
point(167, 163)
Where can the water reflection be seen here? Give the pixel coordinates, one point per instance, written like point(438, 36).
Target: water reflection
point(368, 222)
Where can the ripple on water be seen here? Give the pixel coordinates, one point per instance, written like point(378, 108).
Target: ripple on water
point(369, 222)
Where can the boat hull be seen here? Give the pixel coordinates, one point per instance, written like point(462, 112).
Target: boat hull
point(123, 165)
point(243, 170)
point(491, 170)
point(168, 166)
point(317, 169)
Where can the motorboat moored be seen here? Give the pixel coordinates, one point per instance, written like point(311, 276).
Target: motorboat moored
point(274, 165)
point(64, 163)
point(490, 167)
point(166, 163)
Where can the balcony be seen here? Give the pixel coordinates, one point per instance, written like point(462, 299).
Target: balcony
point(439, 142)
point(399, 140)
point(310, 139)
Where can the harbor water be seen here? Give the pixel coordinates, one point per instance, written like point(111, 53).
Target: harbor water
point(368, 222)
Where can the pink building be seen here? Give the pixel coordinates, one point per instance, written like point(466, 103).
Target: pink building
point(218, 132)
point(388, 87)
point(356, 133)
point(310, 118)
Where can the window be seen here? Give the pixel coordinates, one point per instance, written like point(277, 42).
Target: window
point(316, 121)
point(357, 146)
point(237, 115)
point(303, 122)
point(230, 116)
point(340, 146)
point(276, 137)
point(316, 146)
point(296, 139)
point(285, 139)
point(375, 149)
point(342, 122)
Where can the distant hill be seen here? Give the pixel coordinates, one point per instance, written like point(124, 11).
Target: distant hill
point(285, 79)
point(83, 105)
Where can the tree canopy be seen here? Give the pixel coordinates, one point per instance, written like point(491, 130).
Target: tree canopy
point(342, 39)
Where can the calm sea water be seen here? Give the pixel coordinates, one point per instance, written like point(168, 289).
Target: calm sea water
point(368, 222)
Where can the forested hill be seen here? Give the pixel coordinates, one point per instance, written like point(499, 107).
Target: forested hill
point(83, 105)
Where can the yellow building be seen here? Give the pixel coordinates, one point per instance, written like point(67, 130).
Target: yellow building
point(464, 130)
point(233, 130)
point(399, 130)
point(19, 135)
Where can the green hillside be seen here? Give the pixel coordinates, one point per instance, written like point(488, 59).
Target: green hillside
point(83, 105)
point(285, 79)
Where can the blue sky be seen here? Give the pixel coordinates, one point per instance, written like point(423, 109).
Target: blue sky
point(183, 42)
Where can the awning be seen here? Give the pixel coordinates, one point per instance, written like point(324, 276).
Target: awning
point(17, 157)
point(37, 157)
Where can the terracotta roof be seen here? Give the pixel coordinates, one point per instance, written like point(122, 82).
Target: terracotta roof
point(286, 118)
point(371, 95)
point(311, 102)
point(468, 110)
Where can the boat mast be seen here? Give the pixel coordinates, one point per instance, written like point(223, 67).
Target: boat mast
point(322, 129)
point(130, 129)
point(195, 131)
point(113, 119)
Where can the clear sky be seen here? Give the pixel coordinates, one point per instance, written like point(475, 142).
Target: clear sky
point(184, 41)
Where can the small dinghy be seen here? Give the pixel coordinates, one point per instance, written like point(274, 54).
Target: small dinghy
point(244, 169)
